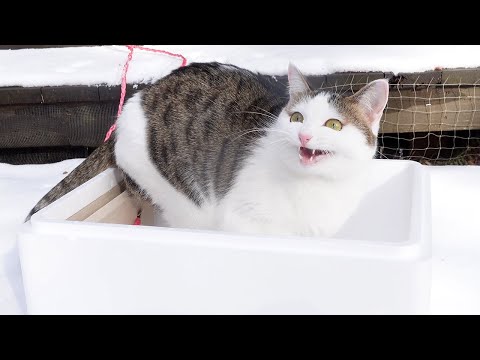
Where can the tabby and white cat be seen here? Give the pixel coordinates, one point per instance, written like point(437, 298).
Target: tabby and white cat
point(218, 147)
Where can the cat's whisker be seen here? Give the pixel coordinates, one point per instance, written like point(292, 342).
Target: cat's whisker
point(279, 141)
point(247, 132)
point(266, 111)
point(259, 130)
point(255, 112)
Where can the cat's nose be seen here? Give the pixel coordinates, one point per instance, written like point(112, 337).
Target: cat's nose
point(304, 139)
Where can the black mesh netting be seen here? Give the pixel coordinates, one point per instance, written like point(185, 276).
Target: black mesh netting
point(42, 155)
point(75, 124)
point(432, 118)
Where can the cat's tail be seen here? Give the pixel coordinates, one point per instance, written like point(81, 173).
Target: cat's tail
point(101, 159)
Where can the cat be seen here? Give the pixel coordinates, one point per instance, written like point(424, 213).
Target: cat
point(214, 146)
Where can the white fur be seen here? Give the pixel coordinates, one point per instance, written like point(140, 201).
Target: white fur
point(269, 198)
point(276, 194)
point(349, 144)
point(273, 193)
point(132, 156)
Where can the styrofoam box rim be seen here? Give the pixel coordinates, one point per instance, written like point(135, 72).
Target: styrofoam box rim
point(48, 221)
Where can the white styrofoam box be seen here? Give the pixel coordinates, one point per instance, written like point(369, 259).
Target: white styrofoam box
point(380, 263)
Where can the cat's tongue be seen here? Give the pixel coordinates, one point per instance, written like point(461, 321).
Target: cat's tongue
point(311, 156)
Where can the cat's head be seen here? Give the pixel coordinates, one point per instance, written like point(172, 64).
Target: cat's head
point(330, 133)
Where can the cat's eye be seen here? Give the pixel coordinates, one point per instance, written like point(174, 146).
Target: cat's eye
point(334, 124)
point(296, 117)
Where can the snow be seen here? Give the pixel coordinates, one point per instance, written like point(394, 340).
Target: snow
point(455, 233)
point(104, 64)
point(20, 189)
point(456, 249)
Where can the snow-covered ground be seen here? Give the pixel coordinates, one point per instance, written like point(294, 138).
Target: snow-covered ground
point(456, 245)
point(20, 188)
point(455, 190)
point(104, 65)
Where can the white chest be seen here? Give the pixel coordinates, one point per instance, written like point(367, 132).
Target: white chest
point(261, 202)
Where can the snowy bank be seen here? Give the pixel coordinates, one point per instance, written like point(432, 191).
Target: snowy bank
point(104, 64)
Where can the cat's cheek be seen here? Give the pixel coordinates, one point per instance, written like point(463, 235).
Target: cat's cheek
point(352, 144)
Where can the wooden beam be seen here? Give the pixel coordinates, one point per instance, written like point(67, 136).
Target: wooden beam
point(343, 82)
point(428, 101)
point(120, 210)
point(97, 204)
point(436, 108)
point(17, 95)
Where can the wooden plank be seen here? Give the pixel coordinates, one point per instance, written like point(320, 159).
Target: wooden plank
point(389, 75)
point(351, 81)
point(418, 79)
point(95, 205)
point(17, 95)
point(147, 214)
point(315, 81)
point(20, 95)
point(91, 211)
point(461, 76)
point(120, 210)
point(343, 80)
point(432, 109)
point(409, 109)
point(132, 89)
point(62, 94)
point(109, 93)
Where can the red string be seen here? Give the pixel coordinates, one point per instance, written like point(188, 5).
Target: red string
point(184, 60)
point(138, 220)
point(124, 78)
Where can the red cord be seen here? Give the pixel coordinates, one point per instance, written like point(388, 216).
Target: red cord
point(184, 60)
point(124, 78)
point(138, 219)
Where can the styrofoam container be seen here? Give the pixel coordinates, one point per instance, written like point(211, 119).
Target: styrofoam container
point(380, 263)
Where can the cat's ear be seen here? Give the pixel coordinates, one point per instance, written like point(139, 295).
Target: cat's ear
point(372, 99)
point(297, 84)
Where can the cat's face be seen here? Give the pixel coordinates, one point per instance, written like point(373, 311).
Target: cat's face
point(330, 134)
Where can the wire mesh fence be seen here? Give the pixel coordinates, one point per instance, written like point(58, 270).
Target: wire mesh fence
point(431, 119)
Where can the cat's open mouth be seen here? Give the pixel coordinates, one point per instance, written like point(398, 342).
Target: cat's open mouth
point(311, 156)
